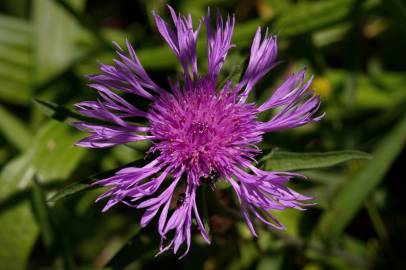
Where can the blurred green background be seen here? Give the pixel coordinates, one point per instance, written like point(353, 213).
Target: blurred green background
point(356, 49)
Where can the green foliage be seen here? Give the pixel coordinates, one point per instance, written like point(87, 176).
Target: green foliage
point(50, 157)
point(287, 161)
point(15, 60)
point(48, 218)
point(13, 129)
point(350, 198)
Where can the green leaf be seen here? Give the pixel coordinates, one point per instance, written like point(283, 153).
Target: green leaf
point(13, 24)
point(374, 91)
point(381, 91)
point(15, 60)
point(51, 156)
point(13, 129)
point(74, 8)
point(157, 57)
point(73, 189)
point(290, 161)
point(17, 8)
point(63, 114)
point(14, 33)
point(86, 184)
point(3, 155)
point(18, 229)
point(52, 232)
point(350, 198)
point(13, 92)
point(310, 16)
point(42, 213)
point(56, 36)
point(58, 112)
point(136, 250)
point(20, 57)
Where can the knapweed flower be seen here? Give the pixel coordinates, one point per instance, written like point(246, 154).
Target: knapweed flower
point(197, 130)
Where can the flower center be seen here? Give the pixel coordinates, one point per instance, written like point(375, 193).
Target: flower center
point(199, 132)
point(202, 132)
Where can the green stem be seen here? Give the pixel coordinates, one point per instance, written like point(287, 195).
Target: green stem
point(376, 220)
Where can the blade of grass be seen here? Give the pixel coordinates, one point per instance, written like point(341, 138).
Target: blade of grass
point(350, 199)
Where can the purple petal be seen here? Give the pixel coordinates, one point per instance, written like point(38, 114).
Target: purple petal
point(218, 42)
point(262, 60)
point(182, 41)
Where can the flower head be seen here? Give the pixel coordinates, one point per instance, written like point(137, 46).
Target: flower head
point(198, 130)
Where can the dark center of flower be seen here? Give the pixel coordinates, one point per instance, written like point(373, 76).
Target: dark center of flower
point(203, 132)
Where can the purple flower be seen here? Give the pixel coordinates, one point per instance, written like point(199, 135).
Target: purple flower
point(198, 130)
